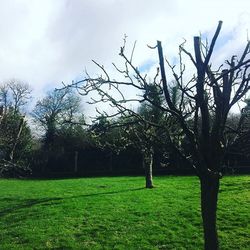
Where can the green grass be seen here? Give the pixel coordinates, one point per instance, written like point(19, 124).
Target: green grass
point(118, 213)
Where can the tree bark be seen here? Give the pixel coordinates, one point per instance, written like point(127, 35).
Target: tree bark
point(209, 197)
point(148, 166)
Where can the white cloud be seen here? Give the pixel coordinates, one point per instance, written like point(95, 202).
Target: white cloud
point(47, 42)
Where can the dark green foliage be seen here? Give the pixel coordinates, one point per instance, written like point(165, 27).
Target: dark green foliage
point(58, 110)
point(9, 128)
point(16, 142)
point(59, 115)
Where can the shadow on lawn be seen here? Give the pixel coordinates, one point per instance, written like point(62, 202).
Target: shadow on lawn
point(18, 204)
point(104, 193)
point(26, 203)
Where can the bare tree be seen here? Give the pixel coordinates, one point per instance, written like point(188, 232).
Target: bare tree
point(14, 94)
point(201, 113)
point(211, 94)
point(3, 98)
point(149, 132)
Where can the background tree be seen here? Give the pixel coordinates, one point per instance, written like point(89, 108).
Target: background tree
point(132, 130)
point(15, 135)
point(59, 115)
point(59, 109)
point(238, 139)
point(16, 145)
point(14, 94)
point(202, 112)
point(146, 133)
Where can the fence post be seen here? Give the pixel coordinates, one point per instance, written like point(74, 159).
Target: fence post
point(76, 162)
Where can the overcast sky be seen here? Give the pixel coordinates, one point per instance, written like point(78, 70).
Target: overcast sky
point(45, 42)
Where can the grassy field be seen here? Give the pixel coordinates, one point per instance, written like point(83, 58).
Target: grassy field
point(118, 213)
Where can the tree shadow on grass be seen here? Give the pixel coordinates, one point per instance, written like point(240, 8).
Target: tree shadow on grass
point(104, 193)
point(18, 204)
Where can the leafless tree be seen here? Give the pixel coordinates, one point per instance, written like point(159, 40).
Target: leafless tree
point(201, 113)
point(14, 94)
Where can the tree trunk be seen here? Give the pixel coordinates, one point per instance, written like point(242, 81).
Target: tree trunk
point(209, 197)
point(16, 139)
point(148, 166)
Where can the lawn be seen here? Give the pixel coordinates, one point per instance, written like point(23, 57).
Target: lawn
point(118, 213)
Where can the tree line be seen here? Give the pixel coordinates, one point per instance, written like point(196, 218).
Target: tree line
point(67, 146)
